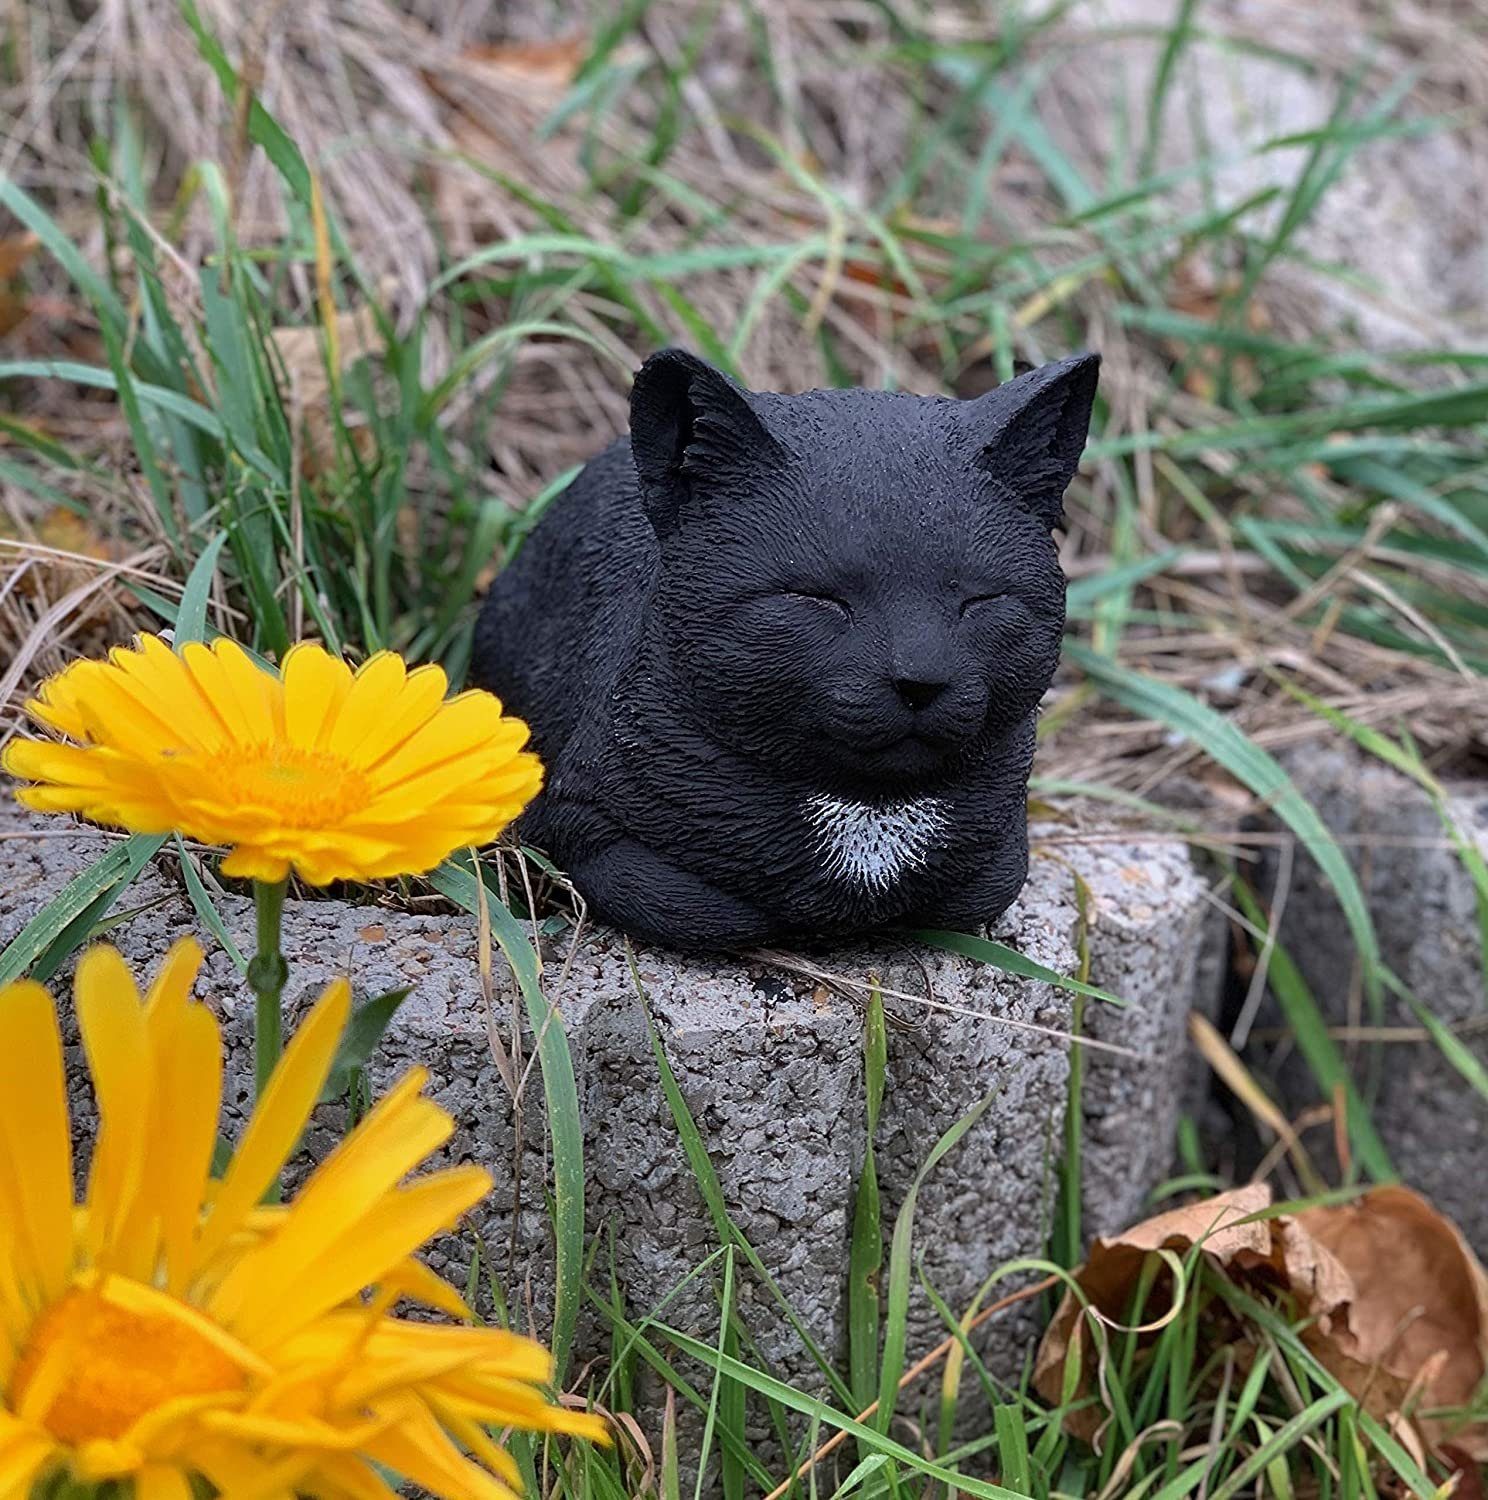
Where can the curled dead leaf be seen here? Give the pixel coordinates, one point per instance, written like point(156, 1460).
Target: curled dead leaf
point(1110, 1275)
point(59, 530)
point(1394, 1302)
point(1414, 1334)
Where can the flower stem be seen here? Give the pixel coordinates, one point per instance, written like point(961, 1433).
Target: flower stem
point(266, 974)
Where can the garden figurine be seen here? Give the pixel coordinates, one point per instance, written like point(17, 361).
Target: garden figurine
point(783, 654)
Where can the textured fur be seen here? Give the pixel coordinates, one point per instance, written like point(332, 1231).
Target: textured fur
point(783, 654)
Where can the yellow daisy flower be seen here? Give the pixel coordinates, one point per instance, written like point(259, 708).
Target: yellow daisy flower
point(337, 774)
point(170, 1326)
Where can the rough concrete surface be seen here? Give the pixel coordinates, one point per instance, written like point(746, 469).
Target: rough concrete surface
point(771, 1066)
point(1424, 907)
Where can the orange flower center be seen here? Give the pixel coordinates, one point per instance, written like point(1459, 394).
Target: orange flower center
point(301, 788)
point(106, 1367)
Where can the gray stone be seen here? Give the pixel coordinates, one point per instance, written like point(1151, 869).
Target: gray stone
point(1424, 906)
point(770, 1064)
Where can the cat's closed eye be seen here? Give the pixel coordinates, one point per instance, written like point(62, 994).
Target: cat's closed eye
point(967, 605)
point(822, 600)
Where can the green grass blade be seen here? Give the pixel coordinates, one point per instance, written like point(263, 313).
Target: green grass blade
point(191, 615)
point(63, 924)
point(706, 1176)
point(896, 1312)
point(725, 1321)
point(810, 1406)
point(263, 129)
point(1447, 1041)
point(1068, 1247)
point(1010, 961)
point(369, 1021)
point(201, 900)
point(167, 400)
point(456, 879)
point(1256, 768)
point(865, 1252)
point(1283, 1440)
point(1407, 760)
point(1318, 1049)
point(64, 252)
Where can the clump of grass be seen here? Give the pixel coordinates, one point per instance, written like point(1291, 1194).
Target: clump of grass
point(1207, 1388)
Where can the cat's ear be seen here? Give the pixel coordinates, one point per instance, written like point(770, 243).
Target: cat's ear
point(1030, 433)
point(688, 420)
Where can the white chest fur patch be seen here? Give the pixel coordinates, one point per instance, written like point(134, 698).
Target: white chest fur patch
point(872, 846)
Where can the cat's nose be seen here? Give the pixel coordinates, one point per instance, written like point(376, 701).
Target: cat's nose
point(918, 694)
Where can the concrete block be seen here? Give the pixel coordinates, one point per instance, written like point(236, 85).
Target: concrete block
point(1424, 907)
point(770, 1063)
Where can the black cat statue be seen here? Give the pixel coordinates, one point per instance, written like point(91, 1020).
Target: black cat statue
point(783, 655)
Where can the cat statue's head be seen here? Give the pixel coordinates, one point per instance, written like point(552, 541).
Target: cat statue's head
point(857, 588)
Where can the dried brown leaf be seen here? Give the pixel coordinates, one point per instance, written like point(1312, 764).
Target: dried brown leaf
point(1110, 1276)
point(550, 66)
point(63, 530)
point(15, 251)
point(1417, 1323)
point(46, 552)
point(1395, 1302)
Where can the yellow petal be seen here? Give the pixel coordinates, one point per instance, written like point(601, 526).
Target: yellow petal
point(59, 703)
point(237, 692)
point(418, 1448)
point(149, 1304)
point(185, 1135)
point(124, 706)
point(315, 770)
point(390, 1361)
point(247, 862)
point(112, 1024)
point(279, 1120)
point(35, 1137)
point(401, 1131)
point(476, 1439)
point(170, 990)
point(98, 782)
point(299, 1431)
point(344, 1474)
point(378, 682)
point(402, 1222)
point(416, 703)
point(315, 686)
point(463, 725)
point(499, 1403)
point(162, 678)
point(160, 1482)
point(238, 1472)
point(415, 1281)
point(105, 1458)
point(22, 1458)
